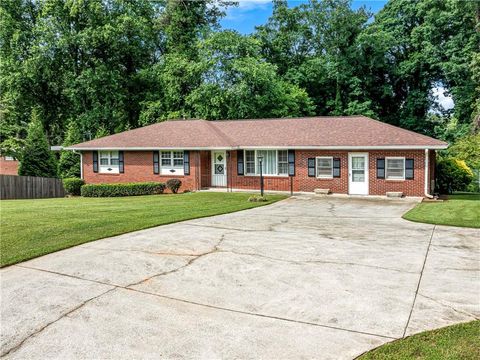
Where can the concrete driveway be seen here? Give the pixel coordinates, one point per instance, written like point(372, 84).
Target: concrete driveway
point(303, 278)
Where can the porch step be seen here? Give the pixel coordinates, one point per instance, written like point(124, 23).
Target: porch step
point(394, 194)
point(322, 191)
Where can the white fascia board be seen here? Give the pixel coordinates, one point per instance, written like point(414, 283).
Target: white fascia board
point(385, 147)
point(389, 147)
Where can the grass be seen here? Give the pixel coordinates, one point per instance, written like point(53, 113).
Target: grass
point(461, 209)
point(453, 342)
point(31, 228)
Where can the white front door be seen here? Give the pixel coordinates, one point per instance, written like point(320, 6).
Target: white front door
point(219, 168)
point(358, 173)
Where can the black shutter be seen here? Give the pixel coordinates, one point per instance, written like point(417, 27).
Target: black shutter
point(240, 168)
point(156, 166)
point(186, 162)
point(409, 169)
point(380, 168)
point(336, 167)
point(95, 161)
point(291, 162)
point(121, 166)
point(311, 167)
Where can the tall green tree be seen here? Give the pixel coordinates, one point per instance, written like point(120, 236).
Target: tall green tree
point(36, 158)
point(69, 162)
point(239, 84)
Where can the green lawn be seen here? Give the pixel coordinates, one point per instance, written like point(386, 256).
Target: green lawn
point(453, 342)
point(31, 228)
point(461, 209)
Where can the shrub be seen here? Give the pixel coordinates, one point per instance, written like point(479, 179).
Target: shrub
point(73, 186)
point(257, 198)
point(453, 175)
point(128, 189)
point(174, 185)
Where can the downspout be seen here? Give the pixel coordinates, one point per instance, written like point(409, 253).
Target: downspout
point(427, 177)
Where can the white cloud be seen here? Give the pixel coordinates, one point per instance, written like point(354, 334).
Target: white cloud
point(252, 4)
point(442, 99)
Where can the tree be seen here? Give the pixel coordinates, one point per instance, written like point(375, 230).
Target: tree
point(36, 158)
point(239, 84)
point(69, 163)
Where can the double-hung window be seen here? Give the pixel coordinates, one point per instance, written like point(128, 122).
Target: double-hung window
point(395, 168)
point(325, 167)
point(274, 162)
point(109, 162)
point(171, 162)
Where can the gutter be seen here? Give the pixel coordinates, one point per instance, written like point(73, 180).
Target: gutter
point(259, 147)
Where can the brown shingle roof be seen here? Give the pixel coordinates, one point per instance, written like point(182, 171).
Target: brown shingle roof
point(309, 132)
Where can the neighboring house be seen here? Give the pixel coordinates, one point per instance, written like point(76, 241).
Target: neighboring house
point(348, 155)
point(8, 165)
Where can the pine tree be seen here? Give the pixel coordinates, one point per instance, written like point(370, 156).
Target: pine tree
point(69, 164)
point(36, 158)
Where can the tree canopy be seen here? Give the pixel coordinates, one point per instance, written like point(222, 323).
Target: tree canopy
point(110, 65)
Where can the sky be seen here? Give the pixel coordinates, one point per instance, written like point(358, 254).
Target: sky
point(251, 13)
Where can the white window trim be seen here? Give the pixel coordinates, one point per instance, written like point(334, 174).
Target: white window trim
point(166, 170)
point(9, 158)
point(103, 169)
point(386, 167)
point(316, 167)
point(256, 162)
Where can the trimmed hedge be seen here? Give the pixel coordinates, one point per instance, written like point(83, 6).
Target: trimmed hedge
point(73, 186)
point(173, 185)
point(127, 189)
point(452, 175)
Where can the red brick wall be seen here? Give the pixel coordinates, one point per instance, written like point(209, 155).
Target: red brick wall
point(302, 182)
point(8, 167)
point(138, 167)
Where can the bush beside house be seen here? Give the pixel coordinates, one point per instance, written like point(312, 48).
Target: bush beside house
point(173, 185)
point(453, 175)
point(127, 189)
point(73, 186)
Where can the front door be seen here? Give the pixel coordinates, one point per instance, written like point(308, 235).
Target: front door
point(358, 173)
point(219, 168)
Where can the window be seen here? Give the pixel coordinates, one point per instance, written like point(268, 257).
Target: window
point(171, 162)
point(325, 167)
point(250, 162)
point(109, 162)
point(395, 168)
point(9, 158)
point(274, 162)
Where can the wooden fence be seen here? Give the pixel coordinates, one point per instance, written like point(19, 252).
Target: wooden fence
point(30, 187)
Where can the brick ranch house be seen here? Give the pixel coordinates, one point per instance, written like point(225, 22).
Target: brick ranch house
point(347, 155)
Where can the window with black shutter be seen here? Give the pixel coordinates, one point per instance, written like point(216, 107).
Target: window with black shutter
point(95, 161)
point(311, 167)
point(186, 162)
point(240, 166)
point(409, 169)
point(156, 164)
point(291, 162)
point(336, 167)
point(380, 168)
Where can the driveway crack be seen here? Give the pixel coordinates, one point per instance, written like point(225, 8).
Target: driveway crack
point(450, 307)
point(419, 280)
point(189, 262)
point(82, 304)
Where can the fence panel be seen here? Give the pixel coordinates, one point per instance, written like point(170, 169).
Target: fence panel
point(30, 187)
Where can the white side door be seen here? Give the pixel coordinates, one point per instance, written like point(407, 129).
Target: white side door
point(358, 173)
point(219, 168)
